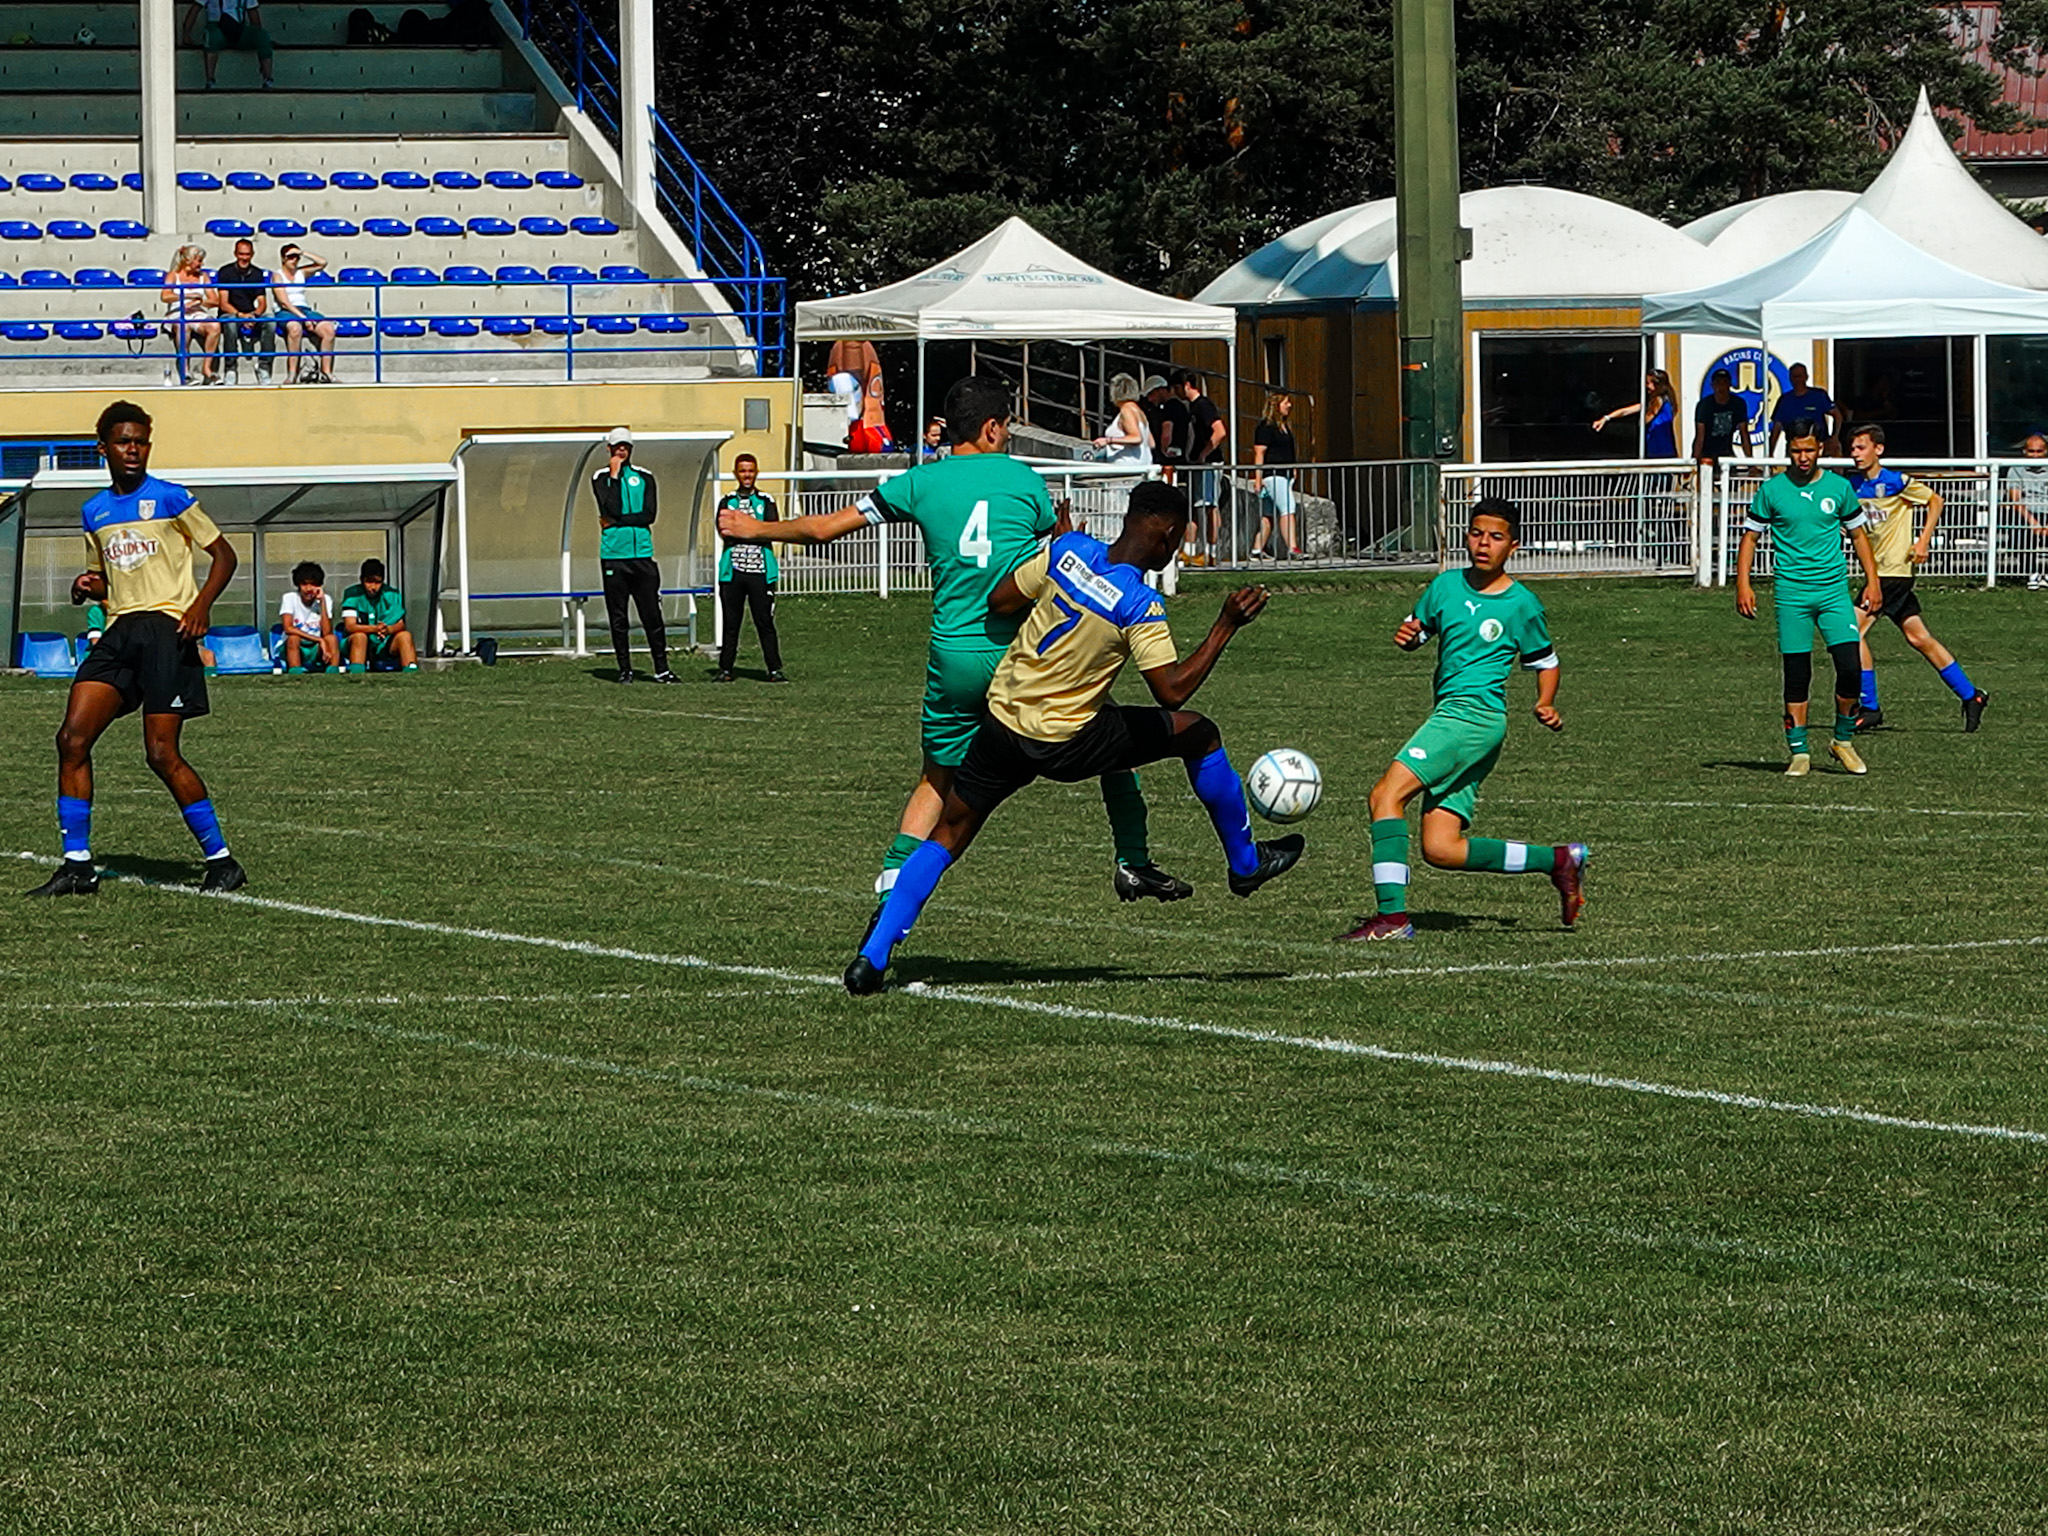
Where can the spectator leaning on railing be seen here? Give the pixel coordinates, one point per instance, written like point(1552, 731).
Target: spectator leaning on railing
point(303, 324)
point(244, 290)
point(2026, 492)
point(190, 302)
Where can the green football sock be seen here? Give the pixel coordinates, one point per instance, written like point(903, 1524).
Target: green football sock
point(900, 849)
point(1492, 855)
point(1795, 738)
point(1390, 863)
point(1125, 803)
point(1845, 727)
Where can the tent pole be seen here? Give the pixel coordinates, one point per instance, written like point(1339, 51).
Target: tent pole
point(917, 426)
point(1025, 392)
point(1231, 447)
point(1980, 383)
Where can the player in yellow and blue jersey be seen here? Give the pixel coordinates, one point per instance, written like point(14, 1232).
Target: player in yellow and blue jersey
point(1050, 715)
point(139, 537)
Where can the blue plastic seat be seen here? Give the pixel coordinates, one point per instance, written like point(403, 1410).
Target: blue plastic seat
point(389, 229)
point(301, 181)
point(6, 185)
point(96, 277)
point(361, 275)
point(507, 325)
point(414, 275)
point(250, 181)
point(131, 330)
point(37, 181)
point(664, 325)
point(440, 226)
point(559, 181)
point(45, 654)
point(145, 277)
point(94, 181)
point(351, 330)
point(488, 225)
point(70, 229)
point(456, 181)
point(45, 277)
point(508, 181)
point(124, 229)
point(460, 326)
point(558, 325)
point(238, 649)
point(24, 330)
point(316, 279)
point(621, 274)
point(614, 325)
point(198, 181)
point(465, 275)
point(230, 229)
point(335, 229)
point(518, 274)
point(404, 330)
point(354, 181)
point(594, 226)
point(406, 181)
point(7, 280)
point(540, 224)
point(79, 330)
point(570, 274)
point(281, 229)
point(132, 180)
point(20, 229)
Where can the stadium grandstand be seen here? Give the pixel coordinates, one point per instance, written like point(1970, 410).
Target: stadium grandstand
point(498, 257)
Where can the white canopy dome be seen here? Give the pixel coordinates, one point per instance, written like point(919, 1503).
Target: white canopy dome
point(1926, 194)
point(1765, 228)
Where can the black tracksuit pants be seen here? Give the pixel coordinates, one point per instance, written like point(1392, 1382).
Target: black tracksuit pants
point(740, 591)
point(639, 580)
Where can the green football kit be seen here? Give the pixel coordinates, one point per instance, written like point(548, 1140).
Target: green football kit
point(1806, 524)
point(631, 537)
point(387, 607)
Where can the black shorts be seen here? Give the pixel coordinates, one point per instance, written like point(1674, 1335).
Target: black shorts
point(999, 762)
point(142, 655)
point(1901, 602)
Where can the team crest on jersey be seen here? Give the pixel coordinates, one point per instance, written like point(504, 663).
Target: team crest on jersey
point(1827, 503)
point(129, 551)
point(146, 509)
point(1489, 629)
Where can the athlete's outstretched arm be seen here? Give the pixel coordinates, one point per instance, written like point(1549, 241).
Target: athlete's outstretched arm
point(199, 616)
point(815, 528)
point(1008, 597)
point(1174, 685)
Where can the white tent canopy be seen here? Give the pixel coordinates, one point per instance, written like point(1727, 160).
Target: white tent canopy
point(1926, 194)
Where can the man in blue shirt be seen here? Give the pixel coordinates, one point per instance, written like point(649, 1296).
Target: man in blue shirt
point(1804, 402)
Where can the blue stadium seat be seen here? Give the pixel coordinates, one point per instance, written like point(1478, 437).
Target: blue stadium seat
point(507, 325)
point(79, 330)
point(145, 277)
point(37, 181)
point(45, 277)
point(557, 325)
point(281, 229)
point(302, 181)
point(132, 180)
point(250, 181)
point(456, 181)
point(124, 229)
point(354, 181)
point(508, 181)
point(440, 226)
point(96, 277)
point(70, 229)
point(6, 185)
point(335, 229)
point(238, 649)
point(455, 327)
point(198, 181)
point(7, 280)
point(404, 330)
point(389, 229)
point(520, 275)
point(614, 325)
point(406, 181)
point(19, 229)
point(621, 274)
point(230, 229)
point(492, 226)
point(559, 181)
point(352, 330)
point(131, 330)
point(361, 275)
point(540, 224)
point(44, 654)
point(664, 325)
point(24, 330)
point(465, 275)
point(94, 181)
point(571, 275)
point(594, 226)
point(414, 275)
point(316, 279)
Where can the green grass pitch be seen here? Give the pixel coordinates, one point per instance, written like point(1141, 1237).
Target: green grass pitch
point(590, 1203)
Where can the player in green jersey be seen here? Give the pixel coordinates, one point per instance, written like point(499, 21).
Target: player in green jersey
point(1806, 510)
point(982, 515)
point(1484, 621)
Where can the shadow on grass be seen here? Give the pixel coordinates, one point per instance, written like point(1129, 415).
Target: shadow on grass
point(1774, 765)
point(940, 971)
point(1457, 922)
point(155, 871)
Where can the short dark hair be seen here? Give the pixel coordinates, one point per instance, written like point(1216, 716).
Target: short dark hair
point(1869, 429)
point(1186, 377)
point(373, 570)
point(1720, 374)
point(1502, 508)
point(308, 570)
point(1805, 426)
point(1155, 498)
point(972, 403)
point(745, 458)
point(118, 412)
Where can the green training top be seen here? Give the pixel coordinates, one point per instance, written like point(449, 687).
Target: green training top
point(1480, 638)
point(757, 558)
point(628, 499)
point(982, 515)
point(1806, 524)
point(387, 607)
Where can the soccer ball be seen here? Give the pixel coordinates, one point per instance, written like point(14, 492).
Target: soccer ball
point(1284, 785)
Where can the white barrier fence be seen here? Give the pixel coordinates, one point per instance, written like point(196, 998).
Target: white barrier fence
point(1596, 517)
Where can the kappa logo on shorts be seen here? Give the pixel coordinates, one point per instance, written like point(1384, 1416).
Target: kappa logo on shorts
point(178, 702)
point(1490, 629)
point(1418, 753)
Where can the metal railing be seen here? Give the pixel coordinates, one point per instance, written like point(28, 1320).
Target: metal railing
point(1606, 517)
point(1351, 514)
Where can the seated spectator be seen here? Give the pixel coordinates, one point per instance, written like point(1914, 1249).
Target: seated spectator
point(373, 625)
point(2026, 492)
point(302, 322)
point(190, 302)
point(307, 614)
point(230, 24)
point(246, 327)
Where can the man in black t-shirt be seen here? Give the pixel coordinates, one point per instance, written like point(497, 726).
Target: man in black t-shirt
point(1170, 431)
point(1153, 403)
point(1718, 420)
point(1205, 446)
point(245, 311)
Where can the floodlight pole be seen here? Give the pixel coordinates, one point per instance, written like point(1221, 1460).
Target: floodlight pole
point(158, 148)
point(1431, 244)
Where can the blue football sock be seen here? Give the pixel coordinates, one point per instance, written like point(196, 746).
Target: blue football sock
point(1868, 698)
point(1221, 792)
point(1954, 676)
point(74, 821)
point(206, 827)
point(915, 882)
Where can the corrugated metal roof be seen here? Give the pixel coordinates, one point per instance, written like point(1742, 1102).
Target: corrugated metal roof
point(2027, 92)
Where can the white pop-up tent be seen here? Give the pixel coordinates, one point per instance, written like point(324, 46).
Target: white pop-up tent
point(1013, 284)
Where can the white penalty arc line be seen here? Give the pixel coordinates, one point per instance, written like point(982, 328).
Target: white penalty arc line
point(1327, 1044)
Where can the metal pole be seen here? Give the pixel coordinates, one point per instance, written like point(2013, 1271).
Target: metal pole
point(636, 109)
point(917, 425)
point(1024, 403)
point(1227, 482)
point(158, 148)
point(1429, 238)
point(462, 543)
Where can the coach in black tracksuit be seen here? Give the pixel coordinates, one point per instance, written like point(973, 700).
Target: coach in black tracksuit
point(625, 511)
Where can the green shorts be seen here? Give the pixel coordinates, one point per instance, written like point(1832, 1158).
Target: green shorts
point(1802, 610)
point(956, 680)
point(1452, 752)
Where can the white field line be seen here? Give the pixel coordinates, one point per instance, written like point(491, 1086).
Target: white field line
point(1821, 809)
point(1330, 1045)
point(309, 1000)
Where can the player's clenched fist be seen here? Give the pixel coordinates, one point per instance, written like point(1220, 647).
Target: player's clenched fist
point(1548, 717)
point(1244, 605)
point(88, 587)
point(1408, 633)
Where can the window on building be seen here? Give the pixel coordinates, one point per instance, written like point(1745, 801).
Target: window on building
point(1917, 387)
point(2017, 383)
point(1538, 396)
point(1276, 360)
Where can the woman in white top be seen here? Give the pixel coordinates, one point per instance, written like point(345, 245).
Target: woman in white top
point(189, 298)
point(1129, 438)
point(302, 321)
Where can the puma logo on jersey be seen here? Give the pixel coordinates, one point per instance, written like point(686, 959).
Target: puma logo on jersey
point(1470, 606)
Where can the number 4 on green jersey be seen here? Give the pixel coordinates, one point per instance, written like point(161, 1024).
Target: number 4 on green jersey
point(982, 515)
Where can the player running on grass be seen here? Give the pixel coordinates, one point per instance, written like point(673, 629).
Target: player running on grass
point(1889, 499)
point(1050, 715)
point(982, 515)
point(139, 538)
point(1806, 510)
point(1484, 622)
